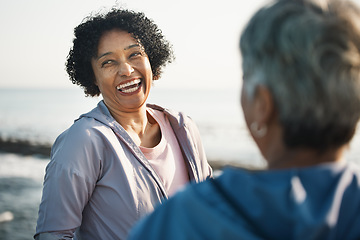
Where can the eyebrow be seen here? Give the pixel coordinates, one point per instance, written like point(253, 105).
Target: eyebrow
point(126, 48)
point(132, 46)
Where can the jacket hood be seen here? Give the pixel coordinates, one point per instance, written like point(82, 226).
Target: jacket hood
point(102, 114)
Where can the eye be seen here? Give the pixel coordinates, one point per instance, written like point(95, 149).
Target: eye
point(135, 54)
point(107, 63)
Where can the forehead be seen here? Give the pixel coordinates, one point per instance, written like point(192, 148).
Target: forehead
point(115, 39)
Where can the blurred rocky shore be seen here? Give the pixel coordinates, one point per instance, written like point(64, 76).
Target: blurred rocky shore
point(25, 147)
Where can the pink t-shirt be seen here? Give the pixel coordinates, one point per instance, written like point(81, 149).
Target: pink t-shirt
point(166, 157)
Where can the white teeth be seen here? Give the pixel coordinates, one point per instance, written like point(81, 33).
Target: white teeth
point(129, 90)
point(136, 81)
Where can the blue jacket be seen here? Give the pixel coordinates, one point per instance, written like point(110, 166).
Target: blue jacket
point(321, 202)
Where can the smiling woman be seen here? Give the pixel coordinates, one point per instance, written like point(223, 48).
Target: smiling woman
point(120, 160)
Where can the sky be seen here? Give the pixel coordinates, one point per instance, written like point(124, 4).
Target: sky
point(36, 37)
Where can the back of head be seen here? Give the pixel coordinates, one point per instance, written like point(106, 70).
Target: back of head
point(307, 53)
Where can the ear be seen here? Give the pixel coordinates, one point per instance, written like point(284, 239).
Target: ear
point(264, 106)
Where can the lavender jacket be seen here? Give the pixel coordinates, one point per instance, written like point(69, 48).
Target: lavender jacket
point(98, 183)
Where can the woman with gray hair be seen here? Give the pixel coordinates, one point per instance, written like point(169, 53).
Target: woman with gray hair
point(301, 102)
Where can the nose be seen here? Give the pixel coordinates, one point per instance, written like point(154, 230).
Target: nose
point(126, 69)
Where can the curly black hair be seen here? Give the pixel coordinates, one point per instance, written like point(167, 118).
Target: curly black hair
point(89, 32)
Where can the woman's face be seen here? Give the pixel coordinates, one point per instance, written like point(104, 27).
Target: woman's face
point(122, 71)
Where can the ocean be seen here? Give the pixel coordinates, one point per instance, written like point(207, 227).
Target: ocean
point(35, 117)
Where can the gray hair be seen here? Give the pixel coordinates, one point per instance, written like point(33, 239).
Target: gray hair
point(307, 53)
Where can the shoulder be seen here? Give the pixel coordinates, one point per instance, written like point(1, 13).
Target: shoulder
point(84, 130)
point(81, 143)
point(351, 176)
point(354, 169)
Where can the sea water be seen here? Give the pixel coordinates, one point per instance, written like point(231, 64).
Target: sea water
point(40, 115)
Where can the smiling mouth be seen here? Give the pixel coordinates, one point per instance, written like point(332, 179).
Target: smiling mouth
point(129, 87)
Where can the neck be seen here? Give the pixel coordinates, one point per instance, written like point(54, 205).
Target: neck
point(279, 156)
point(141, 126)
point(304, 157)
point(131, 120)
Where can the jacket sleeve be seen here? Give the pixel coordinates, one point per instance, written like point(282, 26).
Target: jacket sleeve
point(70, 179)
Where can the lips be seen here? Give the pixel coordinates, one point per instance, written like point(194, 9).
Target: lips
point(130, 86)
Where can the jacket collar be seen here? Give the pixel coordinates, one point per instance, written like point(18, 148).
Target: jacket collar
point(102, 114)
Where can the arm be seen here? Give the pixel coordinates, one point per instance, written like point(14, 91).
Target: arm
point(70, 179)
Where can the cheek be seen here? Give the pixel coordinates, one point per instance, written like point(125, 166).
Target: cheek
point(102, 78)
point(147, 67)
point(149, 73)
point(246, 108)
